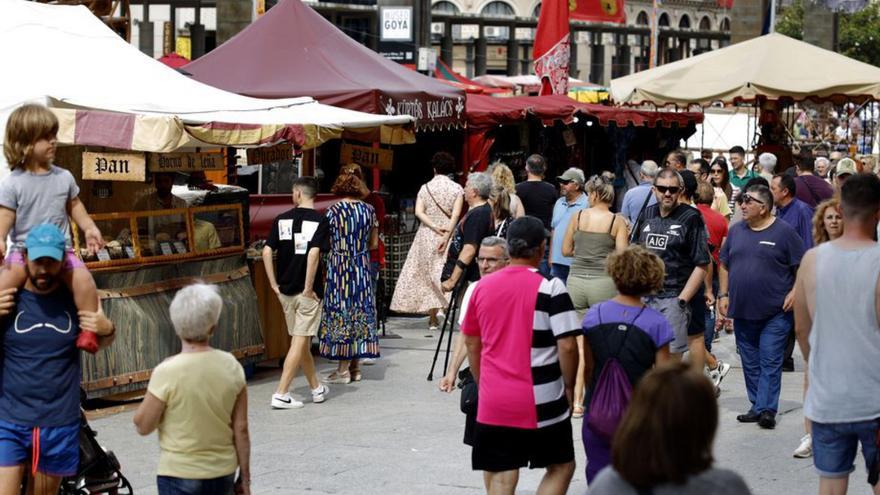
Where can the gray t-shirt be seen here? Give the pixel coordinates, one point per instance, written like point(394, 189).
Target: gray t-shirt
point(714, 481)
point(38, 199)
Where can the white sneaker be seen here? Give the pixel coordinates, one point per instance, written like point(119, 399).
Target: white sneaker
point(718, 374)
point(285, 401)
point(319, 393)
point(805, 449)
point(368, 361)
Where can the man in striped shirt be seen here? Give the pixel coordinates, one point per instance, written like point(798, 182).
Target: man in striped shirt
point(520, 330)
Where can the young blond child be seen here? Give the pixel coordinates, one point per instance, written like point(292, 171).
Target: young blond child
point(38, 192)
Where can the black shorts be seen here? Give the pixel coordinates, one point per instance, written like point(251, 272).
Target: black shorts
point(502, 448)
point(697, 323)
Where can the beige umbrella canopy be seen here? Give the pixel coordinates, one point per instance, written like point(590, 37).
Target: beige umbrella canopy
point(773, 66)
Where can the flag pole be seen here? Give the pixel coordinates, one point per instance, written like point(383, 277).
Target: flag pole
point(772, 28)
point(654, 48)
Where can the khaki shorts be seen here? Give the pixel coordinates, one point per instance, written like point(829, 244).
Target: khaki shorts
point(302, 314)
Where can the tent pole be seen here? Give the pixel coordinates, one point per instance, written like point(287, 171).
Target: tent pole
point(654, 28)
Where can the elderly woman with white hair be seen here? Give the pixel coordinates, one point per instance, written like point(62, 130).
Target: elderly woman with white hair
point(203, 430)
point(478, 223)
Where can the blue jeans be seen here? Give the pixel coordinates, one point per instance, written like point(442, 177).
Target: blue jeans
point(709, 331)
point(835, 446)
point(560, 272)
point(761, 347)
point(169, 485)
point(544, 267)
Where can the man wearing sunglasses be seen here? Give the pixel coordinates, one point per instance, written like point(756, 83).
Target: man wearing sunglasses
point(759, 262)
point(676, 232)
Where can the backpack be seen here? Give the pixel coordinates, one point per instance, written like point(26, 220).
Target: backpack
point(613, 390)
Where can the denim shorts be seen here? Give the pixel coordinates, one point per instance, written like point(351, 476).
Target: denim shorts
point(835, 445)
point(169, 485)
point(59, 447)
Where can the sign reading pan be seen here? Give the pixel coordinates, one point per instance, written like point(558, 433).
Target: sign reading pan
point(366, 156)
point(185, 162)
point(116, 166)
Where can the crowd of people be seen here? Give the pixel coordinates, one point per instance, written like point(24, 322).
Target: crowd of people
point(581, 312)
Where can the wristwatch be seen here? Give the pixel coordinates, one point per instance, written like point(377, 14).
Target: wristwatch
point(682, 303)
point(723, 294)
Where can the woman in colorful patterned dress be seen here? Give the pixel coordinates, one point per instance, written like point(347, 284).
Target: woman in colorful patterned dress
point(348, 321)
point(438, 208)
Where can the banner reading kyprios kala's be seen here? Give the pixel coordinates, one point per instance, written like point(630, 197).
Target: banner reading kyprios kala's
point(430, 112)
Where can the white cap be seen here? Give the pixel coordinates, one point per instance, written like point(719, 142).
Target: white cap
point(768, 161)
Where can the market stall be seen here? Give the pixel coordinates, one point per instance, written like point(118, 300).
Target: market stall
point(127, 146)
point(593, 137)
point(768, 74)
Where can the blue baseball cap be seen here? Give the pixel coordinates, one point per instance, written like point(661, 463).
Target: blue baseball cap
point(45, 241)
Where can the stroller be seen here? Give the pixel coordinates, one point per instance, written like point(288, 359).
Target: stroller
point(99, 470)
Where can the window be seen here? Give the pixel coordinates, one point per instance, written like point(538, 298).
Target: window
point(725, 24)
point(537, 11)
point(642, 19)
point(684, 22)
point(663, 20)
point(497, 8)
point(444, 7)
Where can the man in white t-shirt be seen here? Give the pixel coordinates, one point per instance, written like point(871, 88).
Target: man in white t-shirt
point(492, 257)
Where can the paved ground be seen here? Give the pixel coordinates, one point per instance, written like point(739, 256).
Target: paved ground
point(395, 433)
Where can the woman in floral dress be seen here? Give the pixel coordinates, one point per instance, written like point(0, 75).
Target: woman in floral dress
point(438, 207)
point(348, 321)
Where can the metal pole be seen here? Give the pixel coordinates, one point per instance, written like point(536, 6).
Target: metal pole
point(654, 28)
point(772, 28)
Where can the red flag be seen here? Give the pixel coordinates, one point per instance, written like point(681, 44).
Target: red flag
point(725, 4)
point(599, 11)
point(552, 51)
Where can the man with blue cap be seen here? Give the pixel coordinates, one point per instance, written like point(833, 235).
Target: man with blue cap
point(39, 385)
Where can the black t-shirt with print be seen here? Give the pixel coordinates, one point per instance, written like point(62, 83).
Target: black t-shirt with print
point(477, 224)
point(293, 234)
point(679, 239)
point(538, 198)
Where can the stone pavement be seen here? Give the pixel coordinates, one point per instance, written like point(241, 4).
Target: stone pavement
point(396, 433)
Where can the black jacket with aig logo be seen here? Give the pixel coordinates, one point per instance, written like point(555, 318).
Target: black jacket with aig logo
point(679, 239)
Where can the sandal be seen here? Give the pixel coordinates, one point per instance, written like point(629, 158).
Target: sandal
point(356, 375)
point(337, 377)
point(578, 412)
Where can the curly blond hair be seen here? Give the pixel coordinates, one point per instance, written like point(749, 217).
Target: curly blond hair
point(820, 235)
point(602, 188)
point(636, 271)
point(503, 176)
point(27, 125)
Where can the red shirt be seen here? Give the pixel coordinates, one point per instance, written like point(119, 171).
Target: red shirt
point(716, 224)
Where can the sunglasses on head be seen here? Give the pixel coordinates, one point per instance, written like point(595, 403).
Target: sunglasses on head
point(748, 199)
point(668, 189)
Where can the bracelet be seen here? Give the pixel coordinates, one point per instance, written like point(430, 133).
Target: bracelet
point(725, 294)
point(461, 264)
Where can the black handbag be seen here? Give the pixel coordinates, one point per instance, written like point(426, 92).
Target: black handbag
point(469, 391)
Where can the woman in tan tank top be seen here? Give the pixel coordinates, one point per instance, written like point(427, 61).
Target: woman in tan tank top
point(591, 236)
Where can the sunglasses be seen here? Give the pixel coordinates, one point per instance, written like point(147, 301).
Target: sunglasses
point(668, 189)
point(748, 199)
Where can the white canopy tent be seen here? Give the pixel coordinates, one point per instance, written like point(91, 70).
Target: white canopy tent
point(772, 66)
point(66, 58)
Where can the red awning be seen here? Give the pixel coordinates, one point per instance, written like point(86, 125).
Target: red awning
point(174, 60)
point(443, 72)
point(485, 111)
point(293, 51)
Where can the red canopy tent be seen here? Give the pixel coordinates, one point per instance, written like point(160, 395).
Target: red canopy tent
point(485, 113)
point(174, 60)
point(445, 73)
point(293, 51)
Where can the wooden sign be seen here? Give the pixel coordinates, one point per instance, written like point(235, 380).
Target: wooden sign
point(271, 154)
point(185, 162)
point(366, 156)
point(111, 165)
